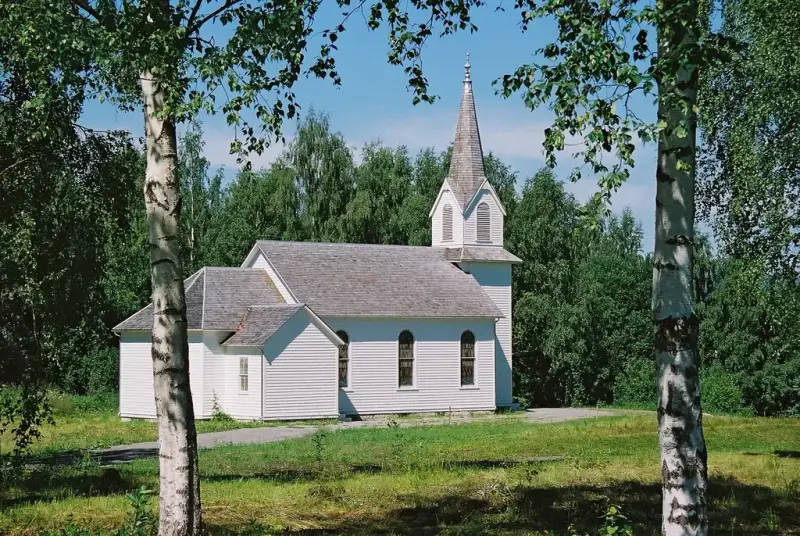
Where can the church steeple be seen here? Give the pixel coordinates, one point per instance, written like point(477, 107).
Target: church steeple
point(467, 211)
point(466, 166)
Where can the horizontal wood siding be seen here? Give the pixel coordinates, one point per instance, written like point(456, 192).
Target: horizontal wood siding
point(261, 262)
point(300, 372)
point(437, 366)
point(437, 222)
point(244, 405)
point(496, 281)
point(471, 222)
point(214, 373)
point(197, 372)
point(136, 394)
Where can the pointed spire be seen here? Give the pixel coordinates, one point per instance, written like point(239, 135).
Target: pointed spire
point(466, 166)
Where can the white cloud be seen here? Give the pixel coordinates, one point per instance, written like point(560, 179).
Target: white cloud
point(218, 146)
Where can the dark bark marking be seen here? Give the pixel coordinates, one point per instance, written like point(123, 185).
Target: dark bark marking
point(675, 334)
point(661, 265)
point(679, 240)
point(663, 176)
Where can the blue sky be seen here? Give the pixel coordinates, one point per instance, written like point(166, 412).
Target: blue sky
point(374, 103)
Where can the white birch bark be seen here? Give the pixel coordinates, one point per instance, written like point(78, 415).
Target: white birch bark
point(680, 424)
point(179, 496)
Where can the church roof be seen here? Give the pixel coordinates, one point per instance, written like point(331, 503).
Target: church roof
point(466, 173)
point(260, 323)
point(480, 254)
point(216, 299)
point(377, 280)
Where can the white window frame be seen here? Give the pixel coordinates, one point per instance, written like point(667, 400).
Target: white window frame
point(413, 386)
point(244, 374)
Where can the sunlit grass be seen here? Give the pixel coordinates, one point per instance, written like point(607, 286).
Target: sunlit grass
point(406, 481)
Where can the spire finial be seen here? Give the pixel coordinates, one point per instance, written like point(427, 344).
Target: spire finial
point(466, 69)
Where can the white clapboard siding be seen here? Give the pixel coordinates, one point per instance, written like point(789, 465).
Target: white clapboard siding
point(496, 220)
point(214, 391)
point(239, 404)
point(300, 372)
point(261, 262)
point(437, 367)
point(437, 222)
point(496, 281)
point(136, 394)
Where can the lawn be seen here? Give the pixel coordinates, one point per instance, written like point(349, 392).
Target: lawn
point(457, 479)
point(80, 425)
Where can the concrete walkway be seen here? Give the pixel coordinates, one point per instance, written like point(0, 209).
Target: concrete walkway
point(269, 434)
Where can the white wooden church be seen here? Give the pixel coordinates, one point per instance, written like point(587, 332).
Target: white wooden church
point(312, 330)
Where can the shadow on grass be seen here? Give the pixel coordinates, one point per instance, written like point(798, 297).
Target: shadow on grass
point(104, 457)
point(736, 508)
point(47, 484)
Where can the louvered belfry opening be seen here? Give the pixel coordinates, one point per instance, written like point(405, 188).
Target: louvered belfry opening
point(484, 223)
point(447, 223)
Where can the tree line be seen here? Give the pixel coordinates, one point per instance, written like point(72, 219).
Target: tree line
point(582, 318)
point(734, 81)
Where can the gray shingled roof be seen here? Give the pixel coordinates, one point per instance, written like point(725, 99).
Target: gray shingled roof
point(216, 298)
point(466, 165)
point(260, 323)
point(377, 280)
point(481, 254)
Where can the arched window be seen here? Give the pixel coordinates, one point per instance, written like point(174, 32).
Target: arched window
point(344, 360)
point(484, 223)
point(405, 358)
point(467, 358)
point(447, 223)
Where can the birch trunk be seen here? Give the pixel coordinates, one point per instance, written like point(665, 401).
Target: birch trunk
point(680, 419)
point(179, 496)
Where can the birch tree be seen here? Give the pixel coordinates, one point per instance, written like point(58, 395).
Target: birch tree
point(606, 54)
point(159, 56)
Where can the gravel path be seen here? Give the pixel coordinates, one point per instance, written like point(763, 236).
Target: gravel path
point(243, 436)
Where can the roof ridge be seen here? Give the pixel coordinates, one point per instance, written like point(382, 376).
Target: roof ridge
point(341, 244)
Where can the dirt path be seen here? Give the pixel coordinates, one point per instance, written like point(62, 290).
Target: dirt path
point(244, 436)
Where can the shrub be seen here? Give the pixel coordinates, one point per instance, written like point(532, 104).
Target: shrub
point(636, 384)
point(101, 371)
point(721, 392)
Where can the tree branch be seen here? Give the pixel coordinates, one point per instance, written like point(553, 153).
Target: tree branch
point(84, 5)
point(226, 5)
point(193, 14)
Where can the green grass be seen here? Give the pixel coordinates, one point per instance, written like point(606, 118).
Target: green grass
point(445, 480)
point(91, 422)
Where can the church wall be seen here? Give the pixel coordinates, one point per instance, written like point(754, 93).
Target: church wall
point(374, 383)
point(496, 281)
point(301, 372)
point(136, 391)
point(471, 222)
point(437, 222)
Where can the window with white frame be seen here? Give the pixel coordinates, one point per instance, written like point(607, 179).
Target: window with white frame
point(484, 223)
point(405, 357)
point(344, 360)
point(447, 223)
point(467, 358)
point(243, 374)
